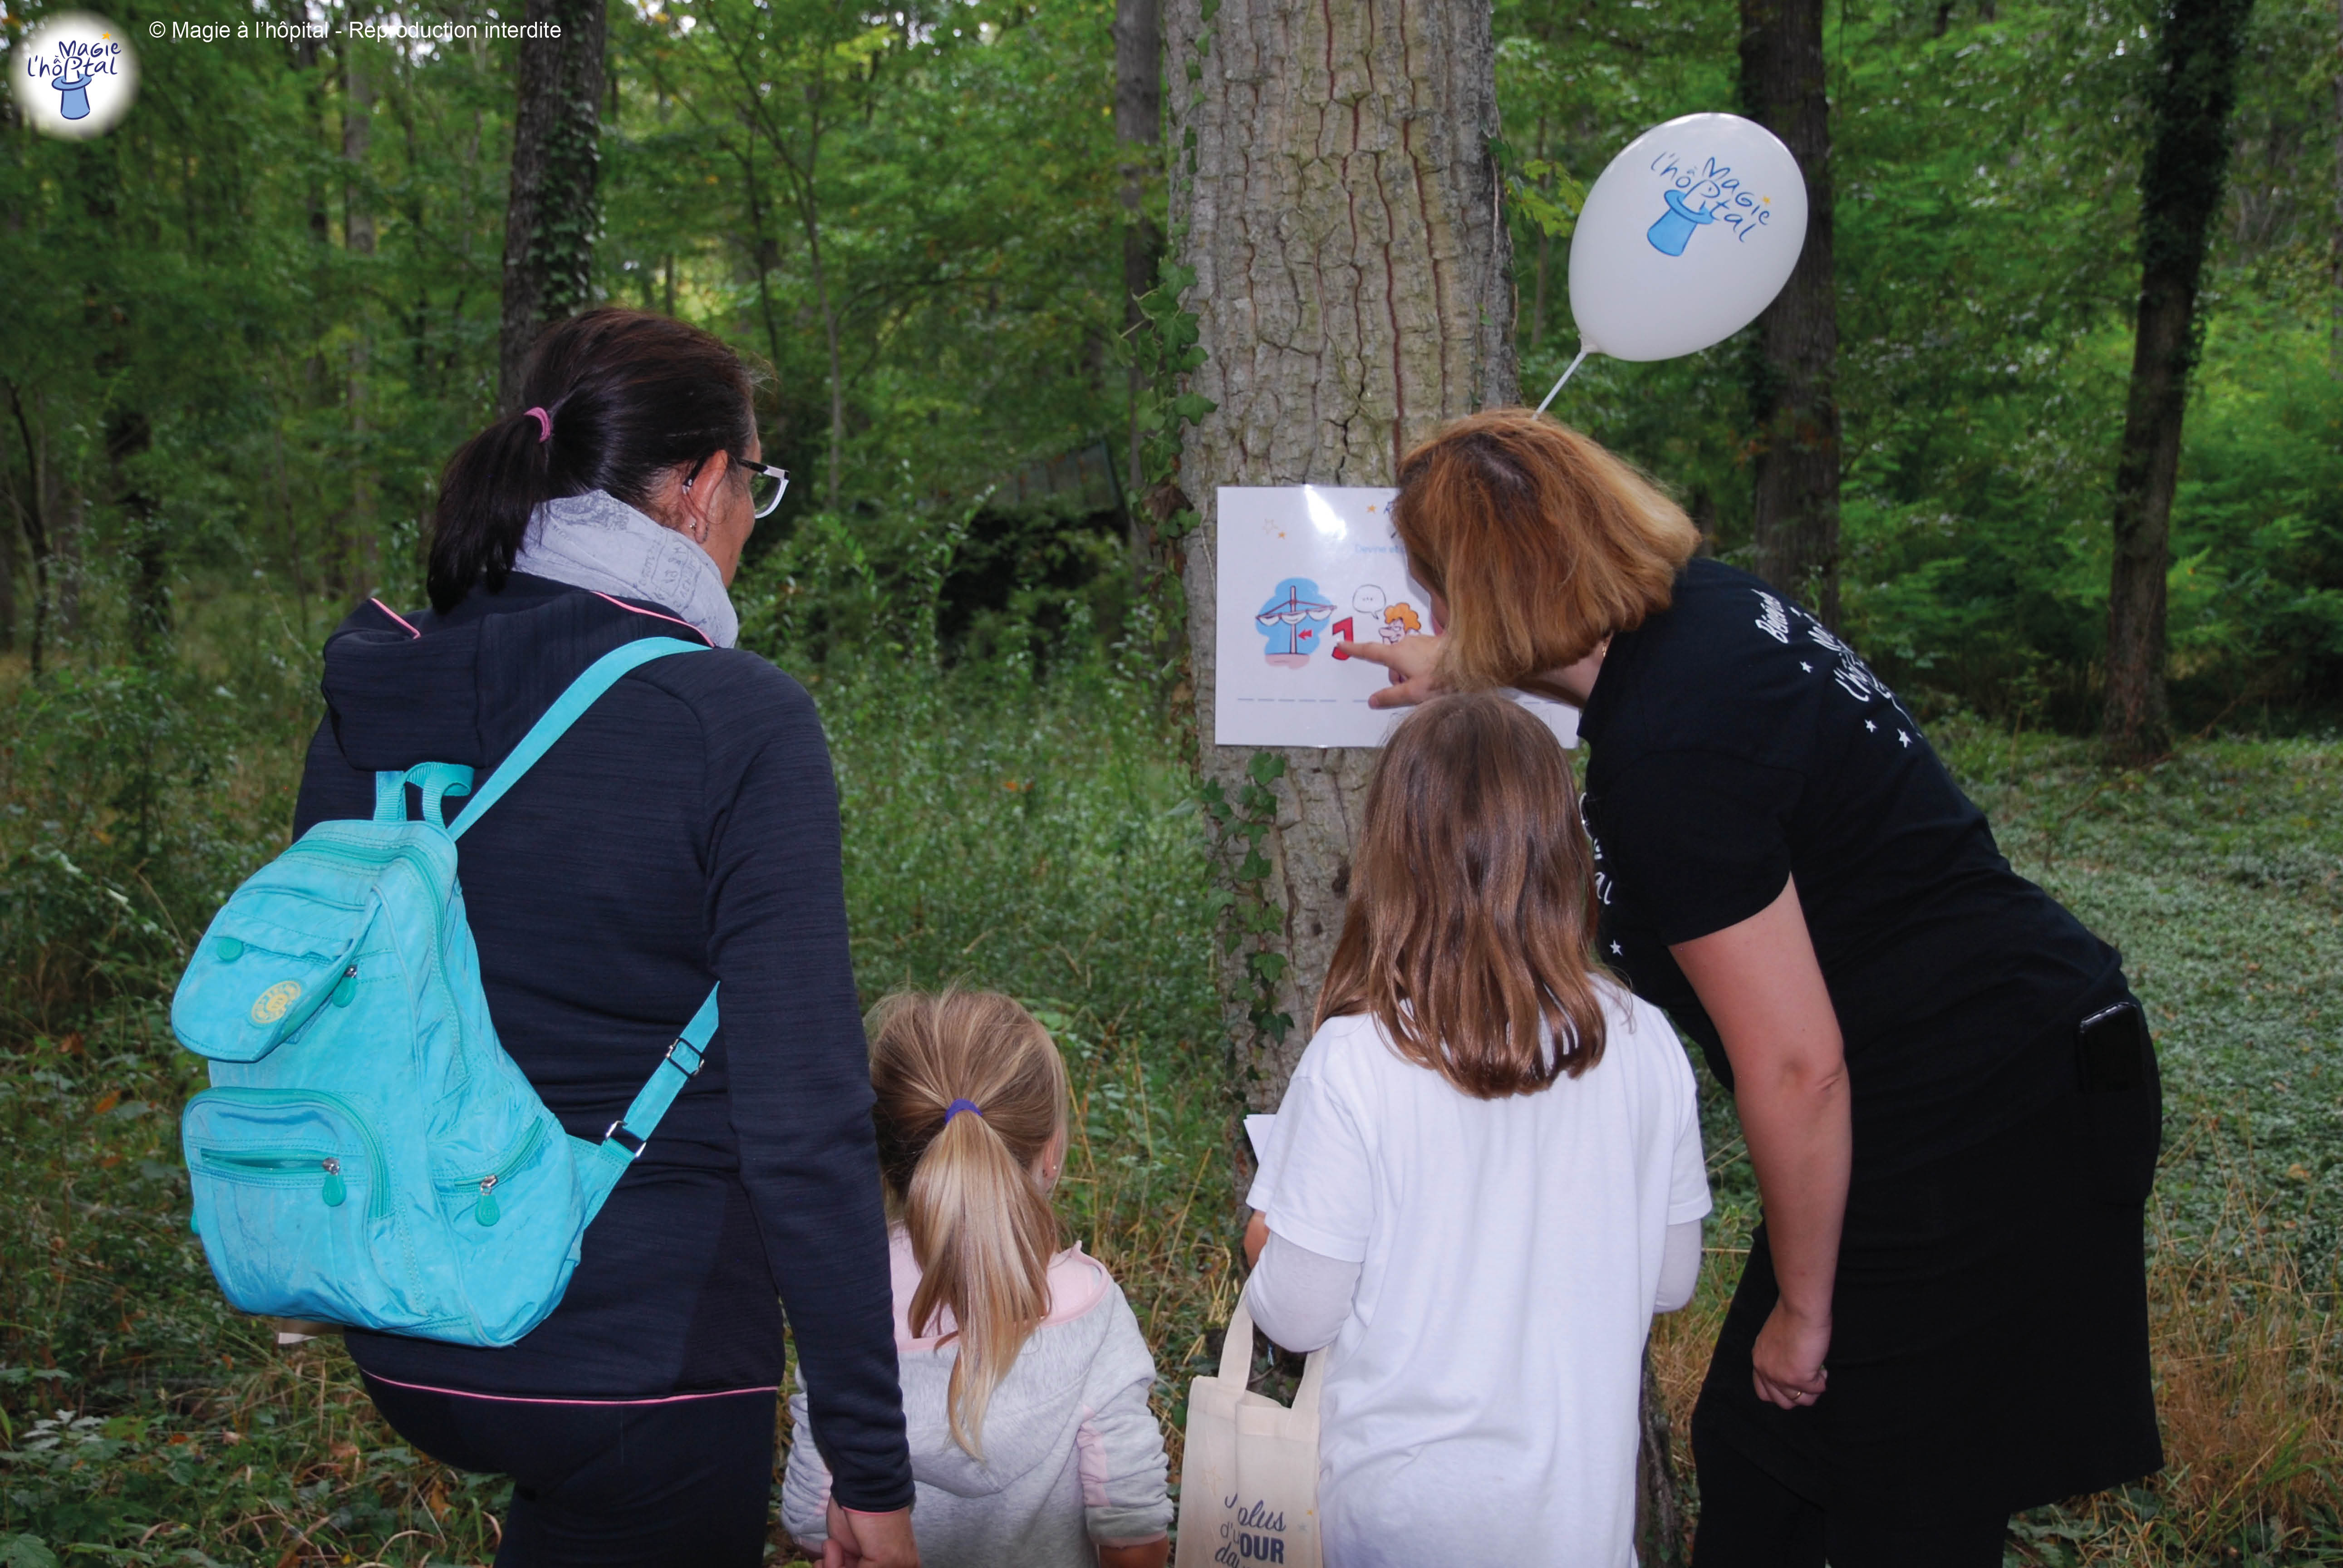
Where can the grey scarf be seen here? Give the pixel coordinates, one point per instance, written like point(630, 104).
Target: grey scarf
point(598, 541)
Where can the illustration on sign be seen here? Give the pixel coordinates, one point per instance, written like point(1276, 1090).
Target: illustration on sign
point(1293, 621)
point(1305, 570)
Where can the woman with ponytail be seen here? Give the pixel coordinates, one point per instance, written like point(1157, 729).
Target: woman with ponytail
point(683, 832)
point(1025, 1377)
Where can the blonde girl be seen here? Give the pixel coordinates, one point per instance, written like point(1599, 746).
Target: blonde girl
point(1485, 1176)
point(1025, 1377)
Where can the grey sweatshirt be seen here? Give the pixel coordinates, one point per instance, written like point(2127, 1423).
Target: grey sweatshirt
point(1073, 1457)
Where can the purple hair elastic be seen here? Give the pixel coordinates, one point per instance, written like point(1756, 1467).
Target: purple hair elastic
point(957, 1106)
point(544, 424)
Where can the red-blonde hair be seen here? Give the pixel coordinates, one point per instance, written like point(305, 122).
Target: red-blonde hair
point(1470, 929)
point(1542, 543)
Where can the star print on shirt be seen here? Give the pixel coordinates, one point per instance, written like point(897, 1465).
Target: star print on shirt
point(1615, 950)
point(1904, 737)
point(1870, 726)
point(1805, 666)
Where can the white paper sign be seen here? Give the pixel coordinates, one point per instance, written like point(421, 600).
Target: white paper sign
point(1302, 568)
point(1257, 1127)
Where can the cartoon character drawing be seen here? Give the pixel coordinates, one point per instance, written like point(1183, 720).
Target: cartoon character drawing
point(1401, 621)
point(1294, 622)
point(1675, 230)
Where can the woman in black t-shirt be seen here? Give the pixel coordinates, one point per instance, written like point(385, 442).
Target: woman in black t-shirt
point(1948, 1093)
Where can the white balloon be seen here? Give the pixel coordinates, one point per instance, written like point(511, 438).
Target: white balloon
point(1688, 235)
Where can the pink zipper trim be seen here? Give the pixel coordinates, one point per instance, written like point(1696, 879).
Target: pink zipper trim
point(394, 616)
point(523, 1399)
point(655, 614)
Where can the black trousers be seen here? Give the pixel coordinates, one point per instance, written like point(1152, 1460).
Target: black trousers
point(1749, 1520)
point(1989, 1352)
point(687, 1484)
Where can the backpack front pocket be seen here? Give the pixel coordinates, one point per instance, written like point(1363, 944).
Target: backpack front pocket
point(511, 1226)
point(292, 1201)
point(272, 957)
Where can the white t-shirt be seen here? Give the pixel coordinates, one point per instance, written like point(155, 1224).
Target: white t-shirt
point(1480, 1403)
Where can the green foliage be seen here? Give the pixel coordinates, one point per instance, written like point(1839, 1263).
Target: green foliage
point(1252, 922)
point(1986, 164)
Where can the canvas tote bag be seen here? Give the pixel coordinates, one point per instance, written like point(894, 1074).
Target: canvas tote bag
point(1249, 1485)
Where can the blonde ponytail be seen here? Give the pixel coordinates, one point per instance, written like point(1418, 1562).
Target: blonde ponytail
point(970, 1095)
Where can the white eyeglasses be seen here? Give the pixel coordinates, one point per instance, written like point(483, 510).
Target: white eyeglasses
point(766, 485)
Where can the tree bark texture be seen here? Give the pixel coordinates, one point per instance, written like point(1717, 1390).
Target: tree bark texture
point(1139, 128)
point(1333, 191)
point(553, 213)
point(1794, 392)
point(2193, 89)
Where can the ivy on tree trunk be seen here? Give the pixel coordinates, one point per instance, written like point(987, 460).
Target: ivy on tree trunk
point(553, 213)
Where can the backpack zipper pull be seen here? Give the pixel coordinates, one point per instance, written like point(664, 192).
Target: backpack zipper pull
point(347, 987)
point(336, 1189)
point(486, 1211)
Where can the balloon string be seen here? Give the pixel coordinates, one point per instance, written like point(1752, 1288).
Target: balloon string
point(1566, 376)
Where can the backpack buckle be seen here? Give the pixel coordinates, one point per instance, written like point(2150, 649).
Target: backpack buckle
point(690, 1067)
point(617, 1133)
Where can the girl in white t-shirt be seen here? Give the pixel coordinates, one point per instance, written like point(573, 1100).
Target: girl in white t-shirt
point(1486, 1174)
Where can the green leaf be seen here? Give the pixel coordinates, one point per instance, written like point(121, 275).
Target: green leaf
point(1267, 966)
point(25, 1552)
point(1266, 767)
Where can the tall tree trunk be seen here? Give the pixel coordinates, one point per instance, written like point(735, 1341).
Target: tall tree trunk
point(553, 212)
point(33, 516)
point(2334, 238)
point(358, 240)
point(129, 437)
point(1794, 392)
point(8, 575)
point(1138, 127)
point(810, 215)
point(1338, 204)
point(2189, 99)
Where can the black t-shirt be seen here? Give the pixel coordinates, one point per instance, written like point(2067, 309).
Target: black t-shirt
point(1735, 743)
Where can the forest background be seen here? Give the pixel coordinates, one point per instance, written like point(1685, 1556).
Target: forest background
point(239, 334)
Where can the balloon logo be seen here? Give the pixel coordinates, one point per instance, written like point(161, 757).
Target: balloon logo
point(1691, 231)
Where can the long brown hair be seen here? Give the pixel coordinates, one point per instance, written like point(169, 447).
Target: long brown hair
point(965, 1186)
point(1470, 930)
point(1542, 543)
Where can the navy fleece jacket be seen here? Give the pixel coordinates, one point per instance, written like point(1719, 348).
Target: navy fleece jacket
point(684, 831)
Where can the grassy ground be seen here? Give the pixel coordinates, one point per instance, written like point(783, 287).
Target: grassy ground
point(1040, 842)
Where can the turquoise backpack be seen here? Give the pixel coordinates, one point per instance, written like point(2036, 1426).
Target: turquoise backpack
point(367, 1154)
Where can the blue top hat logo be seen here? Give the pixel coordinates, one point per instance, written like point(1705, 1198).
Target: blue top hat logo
point(74, 104)
point(1675, 230)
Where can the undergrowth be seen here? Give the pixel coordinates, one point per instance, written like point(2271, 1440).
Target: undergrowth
point(1042, 837)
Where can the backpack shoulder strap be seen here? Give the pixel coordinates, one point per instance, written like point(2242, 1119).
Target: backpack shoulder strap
point(599, 677)
point(623, 1141)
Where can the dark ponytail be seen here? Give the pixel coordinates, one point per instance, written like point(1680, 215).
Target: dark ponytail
point(628, 395)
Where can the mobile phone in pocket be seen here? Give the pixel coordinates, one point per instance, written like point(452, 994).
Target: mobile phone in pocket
point(2111, 1049)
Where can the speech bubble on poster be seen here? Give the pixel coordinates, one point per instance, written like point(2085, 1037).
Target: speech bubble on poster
point(1302, 568)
